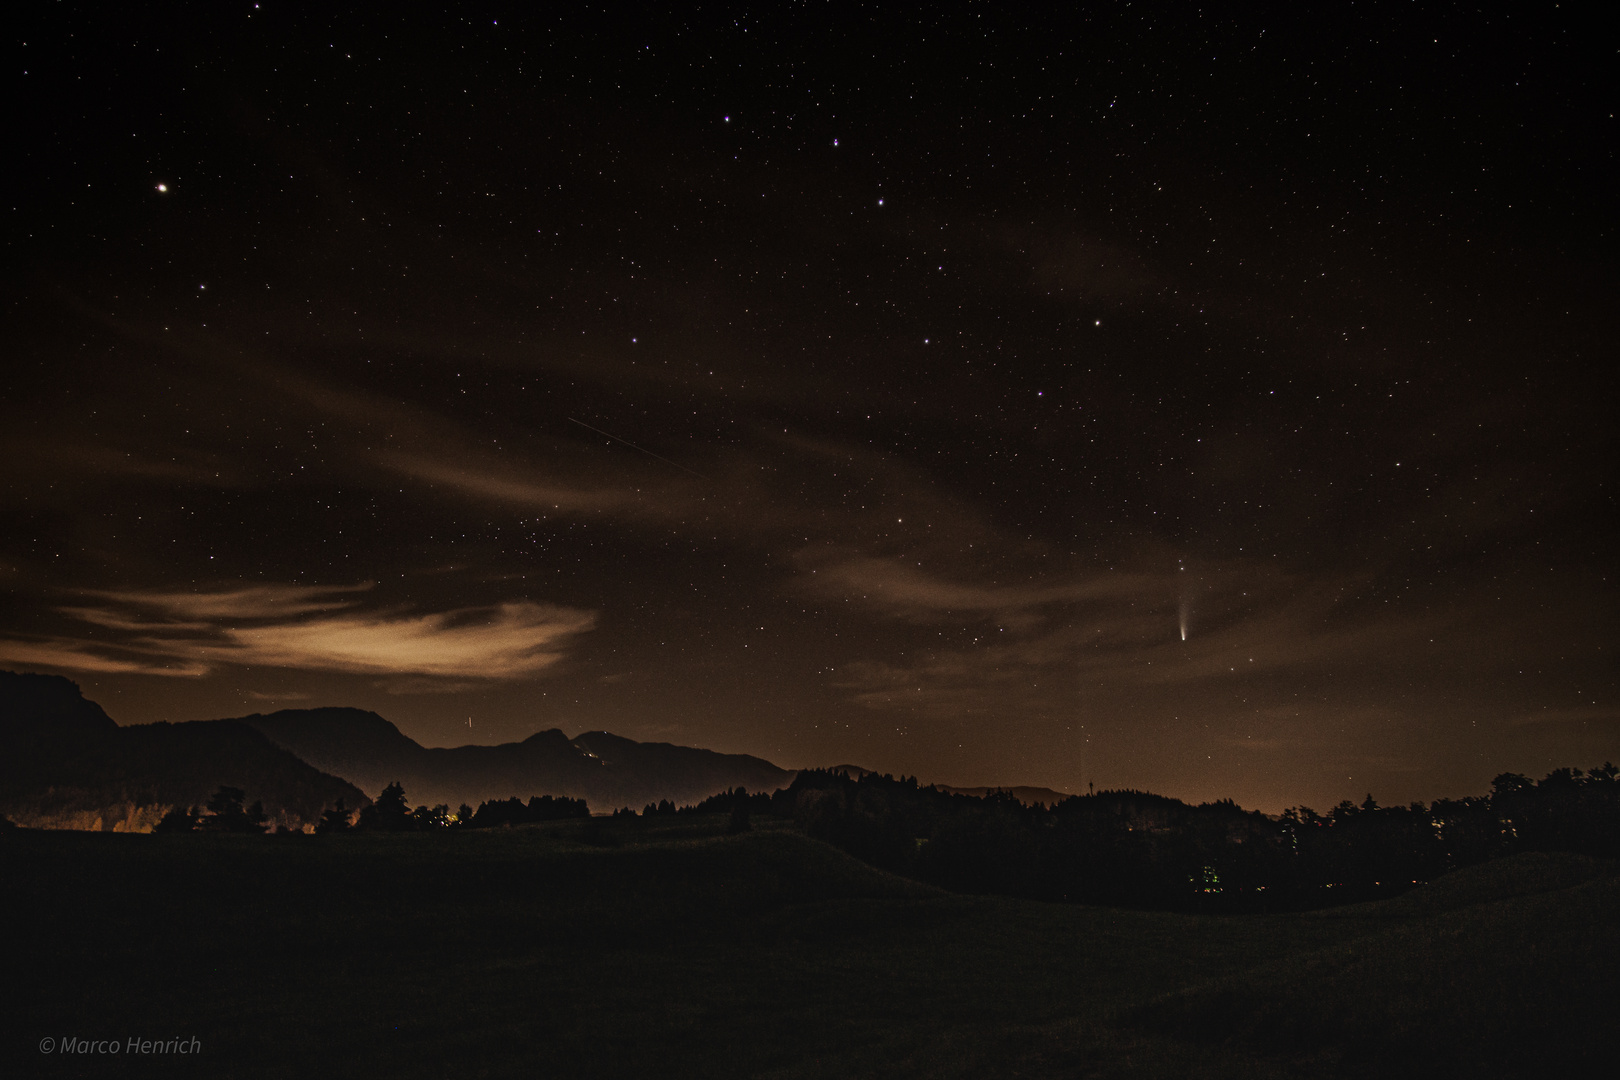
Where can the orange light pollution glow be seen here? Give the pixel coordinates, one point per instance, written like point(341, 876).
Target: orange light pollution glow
point(1112, 426)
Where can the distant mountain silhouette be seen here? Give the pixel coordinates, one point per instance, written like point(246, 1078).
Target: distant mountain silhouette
point(682, 774)
point(605, 770)
point(47, 708)
point(65, 764)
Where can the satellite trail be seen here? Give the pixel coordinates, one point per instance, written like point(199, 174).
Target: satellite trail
point(633, 446)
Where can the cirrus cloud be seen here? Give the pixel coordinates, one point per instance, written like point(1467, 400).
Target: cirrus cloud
point(503, 642)
point(310, 628)
point(75, 655)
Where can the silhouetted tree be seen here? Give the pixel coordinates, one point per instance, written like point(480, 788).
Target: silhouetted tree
point(436, 817)
point(390, 813)
point(513, 811)
point(337, 819)
point(225, 813)
point(1509, 784)
point(493, 813)
point(179, 819)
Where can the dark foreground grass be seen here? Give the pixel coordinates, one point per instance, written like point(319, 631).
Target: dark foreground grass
point(685, 953)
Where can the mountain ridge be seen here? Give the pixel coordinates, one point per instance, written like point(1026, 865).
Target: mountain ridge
point(67, 764)
point(606, 770)
point(64, 763)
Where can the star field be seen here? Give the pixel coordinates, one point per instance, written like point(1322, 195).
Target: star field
point(1212, 404)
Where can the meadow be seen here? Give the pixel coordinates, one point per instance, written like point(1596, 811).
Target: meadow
point(646, 948)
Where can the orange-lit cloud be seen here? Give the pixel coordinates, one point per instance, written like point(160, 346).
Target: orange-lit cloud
point(503, 642)
point(295, 626)
point(74, 655)
point(250, 602)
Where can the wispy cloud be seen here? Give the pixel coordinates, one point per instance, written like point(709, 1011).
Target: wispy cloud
point(249, 602)
point(494, 481)
point(503, 642)
point(903, 588)
point(113, 619)
point(1120, 634)
point(310, 628)
point(74, 655)
point(39, 449)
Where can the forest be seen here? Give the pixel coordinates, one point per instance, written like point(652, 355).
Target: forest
point(1134, 849)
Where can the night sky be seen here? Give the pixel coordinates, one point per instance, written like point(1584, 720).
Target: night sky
point(1207, 404)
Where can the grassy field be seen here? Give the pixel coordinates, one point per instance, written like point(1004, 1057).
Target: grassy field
point(682, 952)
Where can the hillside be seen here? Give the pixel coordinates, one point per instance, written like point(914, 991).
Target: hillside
point(1498, 969)
point(680, 952)
point(65, 764)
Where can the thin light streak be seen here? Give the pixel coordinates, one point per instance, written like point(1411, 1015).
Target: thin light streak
point(633, 446)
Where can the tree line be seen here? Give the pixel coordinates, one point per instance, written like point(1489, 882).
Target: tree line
point(1116, 848)
point(1130, 848)
point(390, 812)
